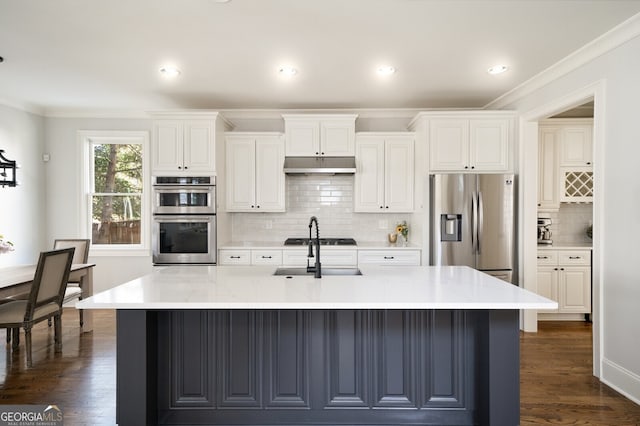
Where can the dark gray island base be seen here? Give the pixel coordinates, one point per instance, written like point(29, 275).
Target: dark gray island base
point(318, 367)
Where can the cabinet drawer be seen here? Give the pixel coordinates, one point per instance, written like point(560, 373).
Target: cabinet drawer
point(547, 257)
point(266, 257)
point(389, 257)
point(235, 257)
point(578, 257)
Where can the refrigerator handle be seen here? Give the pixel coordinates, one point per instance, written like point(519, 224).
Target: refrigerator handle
point(474, 222)
point(480, 221)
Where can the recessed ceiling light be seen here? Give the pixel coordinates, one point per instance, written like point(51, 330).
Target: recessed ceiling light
point(169, 72)
point(288, 71)
point(497, 69)
point(386, 70)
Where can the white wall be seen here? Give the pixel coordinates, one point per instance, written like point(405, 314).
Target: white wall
point(23, 208)
point(63, 177)
point(619, 207)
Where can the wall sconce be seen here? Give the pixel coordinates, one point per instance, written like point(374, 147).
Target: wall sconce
point(7, 171)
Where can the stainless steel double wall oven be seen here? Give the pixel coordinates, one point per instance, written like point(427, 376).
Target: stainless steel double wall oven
point(184, 220)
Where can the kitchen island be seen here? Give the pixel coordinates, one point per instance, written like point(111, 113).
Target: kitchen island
point(397, 345)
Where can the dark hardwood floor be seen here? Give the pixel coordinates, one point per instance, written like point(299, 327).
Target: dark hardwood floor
point(557, 387)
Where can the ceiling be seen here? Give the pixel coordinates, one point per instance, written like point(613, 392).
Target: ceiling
point(97, 55)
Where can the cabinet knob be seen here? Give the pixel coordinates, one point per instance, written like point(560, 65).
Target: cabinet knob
point(466, 167)
point(322, 153)
point(257, 207)
point(555, 269)
point(317, 153)
point(588, 163)
point(562, 269)
point(179, 167)
point(185, 167)
point(252, 206)
point(539, 204)
point(473, 167)
point(381, 207)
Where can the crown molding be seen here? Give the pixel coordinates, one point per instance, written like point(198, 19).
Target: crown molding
point(31, 109)
point(64, 113)
point(608, 41)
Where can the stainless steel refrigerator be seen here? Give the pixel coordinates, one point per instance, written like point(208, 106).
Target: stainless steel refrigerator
point(473, 222)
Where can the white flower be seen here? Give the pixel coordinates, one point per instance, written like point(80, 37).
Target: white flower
point(5, 246)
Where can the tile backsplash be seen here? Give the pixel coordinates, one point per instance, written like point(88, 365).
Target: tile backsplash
point(330, 199)
point(569, 224)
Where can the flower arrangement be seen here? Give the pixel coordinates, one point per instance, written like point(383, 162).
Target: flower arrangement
point(403, 228)
point(5, 245)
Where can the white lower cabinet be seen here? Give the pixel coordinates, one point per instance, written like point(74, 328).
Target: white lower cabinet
point(565, 276)
point(234, 257)
point(389, 257)
point(328, 257)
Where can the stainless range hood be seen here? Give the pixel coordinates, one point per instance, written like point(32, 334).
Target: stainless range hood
point(319, 165)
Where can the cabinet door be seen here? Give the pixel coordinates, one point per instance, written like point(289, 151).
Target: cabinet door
point(199, 146)
point(548, 284)
point(489, 145)
point(548, 169)
point(369, 179)
point(241, 173)
point(269, 174)
point(167, 147)
point(302, 138)
point(337, 138)
point(576, 146)
point(398, 174)
point(449, 145)
point(574, 289)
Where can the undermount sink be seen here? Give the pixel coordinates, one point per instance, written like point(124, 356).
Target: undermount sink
point(325, 271)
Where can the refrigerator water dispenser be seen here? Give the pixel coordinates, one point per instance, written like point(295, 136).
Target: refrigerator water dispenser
point(451, 227)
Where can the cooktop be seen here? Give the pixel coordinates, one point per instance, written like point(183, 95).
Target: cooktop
point(323, 241)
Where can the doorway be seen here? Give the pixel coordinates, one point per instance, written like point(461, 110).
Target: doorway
point(529, 129)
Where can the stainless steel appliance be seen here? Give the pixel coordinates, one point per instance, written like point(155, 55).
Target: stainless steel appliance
point(544, 231)
point(184, 220)
point(473, 222)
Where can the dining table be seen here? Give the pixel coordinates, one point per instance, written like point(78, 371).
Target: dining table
point(17, 280)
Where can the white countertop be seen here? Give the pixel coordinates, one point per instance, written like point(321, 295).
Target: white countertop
point(565, 246)
point(254, 287)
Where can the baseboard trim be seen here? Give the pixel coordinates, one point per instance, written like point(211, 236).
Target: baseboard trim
point(621, 380)
point(560, 317)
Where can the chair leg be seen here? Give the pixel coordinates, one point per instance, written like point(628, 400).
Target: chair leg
point(8, 335)
point(57, 320)
point(16, 338)
point(81, 313)
point(27, 341)
point(49, 322)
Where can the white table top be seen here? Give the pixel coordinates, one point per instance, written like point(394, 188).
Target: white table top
point(21, 274)
point(254, 287)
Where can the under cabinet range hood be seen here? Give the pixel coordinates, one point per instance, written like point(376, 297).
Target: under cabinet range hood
point(320, 165)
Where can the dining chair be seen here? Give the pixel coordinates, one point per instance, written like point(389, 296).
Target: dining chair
point(44, 301)
point(74, 285)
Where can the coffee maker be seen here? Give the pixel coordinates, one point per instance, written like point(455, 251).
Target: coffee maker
point(544, 231)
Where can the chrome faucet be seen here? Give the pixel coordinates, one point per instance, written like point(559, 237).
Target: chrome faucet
point(316, 269)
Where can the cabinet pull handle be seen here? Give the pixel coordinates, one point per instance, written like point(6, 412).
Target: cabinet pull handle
point(266, 257)
point(234, 257)
point(389, 257)
point(543, 257)
point(575, 257)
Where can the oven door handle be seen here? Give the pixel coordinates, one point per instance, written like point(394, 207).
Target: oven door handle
point(189, 189)
point(184, 218)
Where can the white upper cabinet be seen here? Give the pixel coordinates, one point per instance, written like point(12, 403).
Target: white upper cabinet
point(328, 135)
point(548, 168)
point(184, 146)
point(576, 146)
point(384, 172)
point(254, 171)
point(469, 145)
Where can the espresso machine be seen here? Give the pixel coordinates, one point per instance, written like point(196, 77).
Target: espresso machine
point(544, 231)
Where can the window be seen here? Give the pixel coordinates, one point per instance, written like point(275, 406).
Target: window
point(115, 190)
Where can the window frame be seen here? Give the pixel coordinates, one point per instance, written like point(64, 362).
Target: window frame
point(86, 140)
